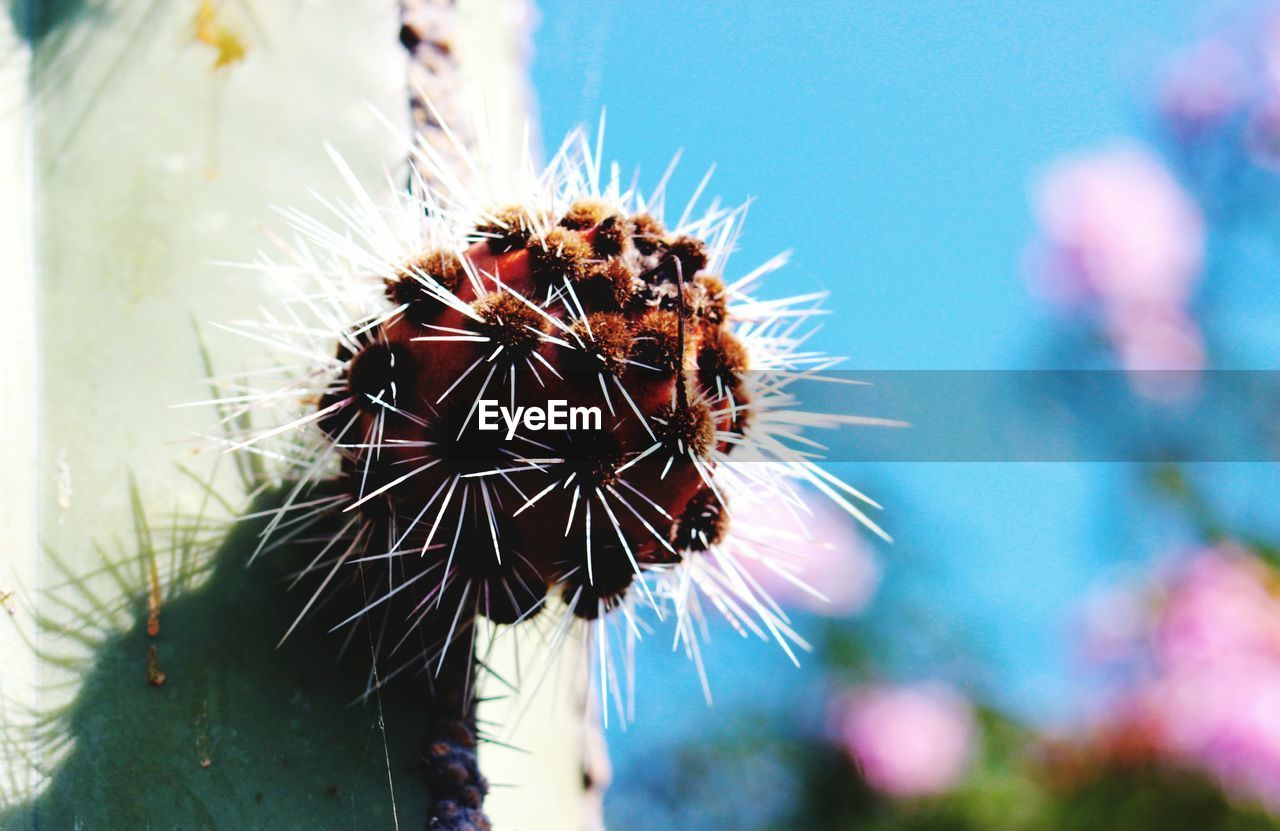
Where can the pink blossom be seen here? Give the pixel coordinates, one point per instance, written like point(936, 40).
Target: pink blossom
point(1157, 338)
point(909, 741)
point(1221, 605)
point(813, 559)
point(1117, 229)
point(1228, 86)
point(1212, 695)
point(1204, 86)
point(1225, 721)
point(1119, 238)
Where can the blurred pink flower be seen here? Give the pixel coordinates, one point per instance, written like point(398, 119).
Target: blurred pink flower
point(1118, 229)
point(1219, 606)
point(1204, 86)
point(1227, 86)
point(1153, 342)
point(1157, 339)
point(816, 560)
point(1121, 239)
point(1211, 698)
point(909, 741)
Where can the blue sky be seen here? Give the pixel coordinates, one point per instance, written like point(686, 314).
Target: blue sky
point(891, 145)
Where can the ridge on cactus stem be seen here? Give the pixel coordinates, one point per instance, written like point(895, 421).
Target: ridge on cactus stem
point(408, 324)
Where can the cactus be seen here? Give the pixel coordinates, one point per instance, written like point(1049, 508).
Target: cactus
point(526, 292)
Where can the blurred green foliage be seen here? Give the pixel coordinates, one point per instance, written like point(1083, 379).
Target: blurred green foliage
point(785, 777)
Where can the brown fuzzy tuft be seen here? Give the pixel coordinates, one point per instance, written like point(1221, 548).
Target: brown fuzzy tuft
point(508, 230)
point(649, 233)
point(611, 236)
point(703, 523)
point(657, 343)
point(622, 281)
point(408, 288)
point(690, 428)
point(509, 322)
point(691, 254)
point(612, 230)
point(584, 214)
point(608, 285)
point(444, 267)
point(606, 340)
point(708, 301)
point(721, 361)
point(560, 253)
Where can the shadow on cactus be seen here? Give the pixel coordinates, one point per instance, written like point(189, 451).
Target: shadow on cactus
point(186, 714)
